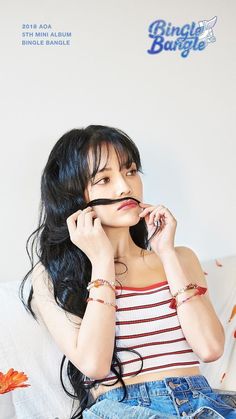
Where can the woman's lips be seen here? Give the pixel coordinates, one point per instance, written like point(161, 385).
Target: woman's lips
point(127, 206)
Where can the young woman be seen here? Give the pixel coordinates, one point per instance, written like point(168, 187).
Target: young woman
point(128, 309)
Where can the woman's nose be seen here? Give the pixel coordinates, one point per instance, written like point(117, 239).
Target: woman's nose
point(123, 187)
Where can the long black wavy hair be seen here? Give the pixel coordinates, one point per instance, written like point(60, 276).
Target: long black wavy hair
point(63, 183)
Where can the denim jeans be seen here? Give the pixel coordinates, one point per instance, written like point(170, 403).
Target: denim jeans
point(186, 396)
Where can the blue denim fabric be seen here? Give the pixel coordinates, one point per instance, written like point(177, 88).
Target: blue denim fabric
point(186, 396)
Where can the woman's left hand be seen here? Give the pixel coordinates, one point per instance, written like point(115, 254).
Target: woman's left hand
point(163, 240)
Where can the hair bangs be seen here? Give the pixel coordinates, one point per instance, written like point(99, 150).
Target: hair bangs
point(126, 154)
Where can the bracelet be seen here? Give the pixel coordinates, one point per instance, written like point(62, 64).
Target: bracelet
point(200, 291)
point(187, 287)
point(186, 299)
point(98, 282)
point(101, 301)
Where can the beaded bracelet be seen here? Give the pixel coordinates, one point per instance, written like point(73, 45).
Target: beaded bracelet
point(186, 299)
point(98, 282)
point(187, 287)
point(101, 301)
point(200, 291)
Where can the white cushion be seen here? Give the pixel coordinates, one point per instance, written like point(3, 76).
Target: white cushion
point(221, 282)
point(27, 346)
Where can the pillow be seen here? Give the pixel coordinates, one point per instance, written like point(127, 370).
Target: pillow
point(27, 346)
point(221, 280)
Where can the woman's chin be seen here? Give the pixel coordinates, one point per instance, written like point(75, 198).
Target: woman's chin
point(128, 221)
point(121, 225)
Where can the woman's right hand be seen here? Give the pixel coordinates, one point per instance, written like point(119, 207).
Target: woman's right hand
point(89, 235)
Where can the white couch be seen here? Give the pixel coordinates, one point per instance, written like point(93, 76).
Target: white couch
point(27, 346)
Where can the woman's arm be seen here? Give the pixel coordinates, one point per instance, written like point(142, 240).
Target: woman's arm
point(89, 342)
point(96, 338)
point(200, 324)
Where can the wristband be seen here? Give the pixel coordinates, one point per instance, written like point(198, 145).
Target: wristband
point(200, 291)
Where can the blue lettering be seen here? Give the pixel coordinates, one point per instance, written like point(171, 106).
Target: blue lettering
point(156, 26)
point(158, 41)
point(187, 45)
point(169, 45)
point(191, 32)
point(199, 30)
point(201, 45)
point(187, 37)
point(44, 26)
point(185, 30)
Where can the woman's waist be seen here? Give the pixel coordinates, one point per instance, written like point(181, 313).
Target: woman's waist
point(154, 376)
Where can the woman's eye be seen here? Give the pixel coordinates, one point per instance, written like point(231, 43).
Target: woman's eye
point(133, 170)
point(105, 178)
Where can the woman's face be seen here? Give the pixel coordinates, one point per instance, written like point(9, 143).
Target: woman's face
point(115, 184)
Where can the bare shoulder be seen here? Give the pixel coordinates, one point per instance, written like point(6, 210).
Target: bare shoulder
point(43, 296)
point(41, 282)
point(63, 326)
point(188, 256)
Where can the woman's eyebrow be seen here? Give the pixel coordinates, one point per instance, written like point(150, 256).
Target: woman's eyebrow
point(109, 168)
point(104, 169)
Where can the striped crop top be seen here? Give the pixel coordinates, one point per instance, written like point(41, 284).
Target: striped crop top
point(146, 323)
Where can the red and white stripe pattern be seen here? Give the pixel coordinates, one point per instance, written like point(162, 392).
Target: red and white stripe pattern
point(146, 323)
